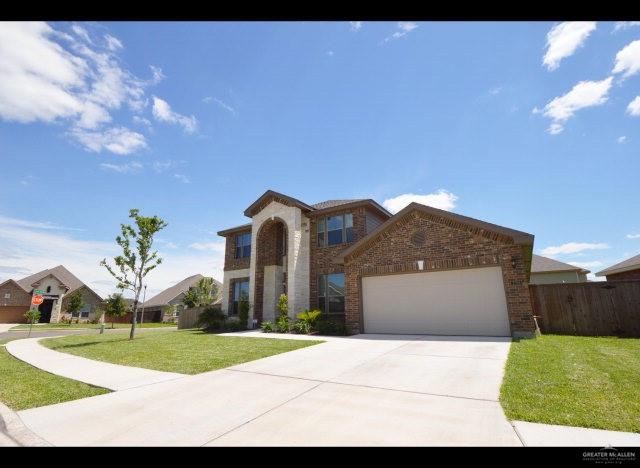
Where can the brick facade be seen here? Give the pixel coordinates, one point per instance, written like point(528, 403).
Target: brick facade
point(443, 244)
point(321, 257)
point(89, 297)
point(230, 260)
point(625, 275)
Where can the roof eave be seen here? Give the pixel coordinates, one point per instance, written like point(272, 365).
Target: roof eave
point(249, 212)
point(345, 206)
point(618, 270)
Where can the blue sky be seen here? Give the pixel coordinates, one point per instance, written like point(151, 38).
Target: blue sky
point(532, 125)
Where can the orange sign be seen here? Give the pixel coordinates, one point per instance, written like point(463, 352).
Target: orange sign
point(37, 300)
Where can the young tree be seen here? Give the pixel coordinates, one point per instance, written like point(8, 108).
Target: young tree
point(135, 262)
point(115, 306)
point(32, 315)
point(76, 302)
point(200, 295)
point(170, 310)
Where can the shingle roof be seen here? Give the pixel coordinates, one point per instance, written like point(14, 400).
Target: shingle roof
point(164, 297)
point(333, 203)
point(632, 263)
point(541, 264)
point(65, 276)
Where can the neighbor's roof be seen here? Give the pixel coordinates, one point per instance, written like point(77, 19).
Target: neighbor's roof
point(60, 272)
point(166, 296)
point(519, 237)
point(629, 264)
point(541, 264)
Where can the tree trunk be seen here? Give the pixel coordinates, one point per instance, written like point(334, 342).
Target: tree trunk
point(133, 318)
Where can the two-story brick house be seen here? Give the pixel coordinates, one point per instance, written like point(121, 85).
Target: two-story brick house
point(422, 270)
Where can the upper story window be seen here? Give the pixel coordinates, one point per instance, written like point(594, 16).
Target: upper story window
point(243, 245)
point(336, 229)
point(48, 289)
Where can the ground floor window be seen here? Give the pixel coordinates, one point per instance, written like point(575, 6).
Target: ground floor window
point(331, 293)
point(84, 312)
point(240, 293)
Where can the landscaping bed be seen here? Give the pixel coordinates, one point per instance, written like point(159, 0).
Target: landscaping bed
point(91, 326)
point(574, 381)
point(23, 386)
point(184, 351)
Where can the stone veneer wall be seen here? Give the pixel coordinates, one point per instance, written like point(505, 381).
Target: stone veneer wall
point(447, 245)
point(230, 275)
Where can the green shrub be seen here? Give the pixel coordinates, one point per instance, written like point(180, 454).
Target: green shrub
point(233, 326)
point(282, 324)
point(310, 319)
point(302, 327)
point(211, 318)
point(326, 327)
point(243, 313)
point(267, 327)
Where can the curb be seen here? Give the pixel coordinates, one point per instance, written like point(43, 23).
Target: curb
point(15, 432)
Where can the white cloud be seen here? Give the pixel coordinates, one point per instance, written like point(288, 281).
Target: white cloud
point(634, 107)
point(622, 139)
point(584, 94)
point(113, 43)
point(25, 250)
point(182, 178)
point(7, 221)
point(587, 265)
point(118, 140)
point(633, 236)
point(127, 168)
point(572, 247)
point(355, 25)
point(161, 166)
point(622, 25)
point(330, 53)
point(213, 246)
point(563, 40)
point(441, 199)
point(404, 28)
point(50, 76)
point(220, 103)
point(495, 90)
point(157, 75)
point(81, 33)
point(628, 60)
point(162, 112)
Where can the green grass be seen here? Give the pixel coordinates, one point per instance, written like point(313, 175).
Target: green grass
point(574, 381)
point(187, 352)
point(23, 386)
point(93, 326)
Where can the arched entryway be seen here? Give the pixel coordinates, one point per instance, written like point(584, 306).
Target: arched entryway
point(271, 268)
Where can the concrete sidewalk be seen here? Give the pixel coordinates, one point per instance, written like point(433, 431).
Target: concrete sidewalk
point(550, 435)
point(97, 373)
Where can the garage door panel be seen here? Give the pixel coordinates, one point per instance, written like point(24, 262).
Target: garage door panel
point(459, 302)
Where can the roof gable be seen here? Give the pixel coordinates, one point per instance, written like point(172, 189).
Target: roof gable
point(441, 216)
point(269, 196)
point(542, 264)
point(63, 275)
point(164, 297)
point(629, 264)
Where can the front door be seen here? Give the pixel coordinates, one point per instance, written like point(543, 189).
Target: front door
point(45, 311)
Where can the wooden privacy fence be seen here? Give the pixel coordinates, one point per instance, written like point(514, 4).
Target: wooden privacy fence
point(189, 317)
point(610, 308)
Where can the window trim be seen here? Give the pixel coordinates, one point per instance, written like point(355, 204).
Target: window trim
point(233, 309)
point(326, 295)
point(242, 246)
point(323, 221)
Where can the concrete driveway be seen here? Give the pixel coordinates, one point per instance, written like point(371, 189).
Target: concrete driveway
point(362, 390)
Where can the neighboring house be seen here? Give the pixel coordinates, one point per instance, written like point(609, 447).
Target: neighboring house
point(420, 271)
point(626, 270)
point(154, 308)
point(56, 284)
point(549, 271)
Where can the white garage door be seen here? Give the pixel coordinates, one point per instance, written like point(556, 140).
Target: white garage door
point(456, 302)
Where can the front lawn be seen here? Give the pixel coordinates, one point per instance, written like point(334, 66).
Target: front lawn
point(23, 386)
point(187, 352)
point(574, 381)
point(93, 326)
